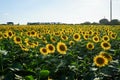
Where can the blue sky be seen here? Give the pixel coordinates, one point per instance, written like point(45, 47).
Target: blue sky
point(66, 11)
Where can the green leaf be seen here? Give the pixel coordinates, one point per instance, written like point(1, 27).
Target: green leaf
point(29, 78)
point(44, 73)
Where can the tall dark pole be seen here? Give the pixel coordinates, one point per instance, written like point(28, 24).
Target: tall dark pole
point(110, 10)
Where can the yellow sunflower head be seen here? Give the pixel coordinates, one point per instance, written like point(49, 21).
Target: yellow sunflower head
point(64, 38)
point(106, 55)
point(17, 40)
point(100, 61)
point(61, 47)
point(1, 35)
point(50, 48)
point(105, 45)
point(86, 36)
point(10, 34)
point(95, 39)
point(52, 39)
point(90, 46)
point(43, 51)
point(33, 33)
point(23, 47)
point(76, 36)
point(5, 35)
point(105, 38)
point(71, 43)
point(113, 35)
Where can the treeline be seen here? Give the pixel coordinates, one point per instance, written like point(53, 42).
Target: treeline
point(101, 22)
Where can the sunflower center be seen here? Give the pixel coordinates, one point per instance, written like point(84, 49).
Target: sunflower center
point(18, 39)
point(50, 48)
point(32, 32)
point(44, 50)
point(96, 39)
point(105, 45)
point(10, 34)
point(62, 47)
point(90, 46)
point(76, 36)
point(113, 35)
point(105, 38)
point(100, 60)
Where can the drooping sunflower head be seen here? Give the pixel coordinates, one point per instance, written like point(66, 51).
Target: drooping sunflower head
point(113, 35)
point(105, 45)
point(52, 39)
point(64, 38)
point(23, 47)
point(95, 39)
point(106, 55)
point(61, 47)
point(90, 46)
point(76, 36)
point(105, 38)
point(17, 40)
point(100, 61)
point(50, 48)
point(43, 51)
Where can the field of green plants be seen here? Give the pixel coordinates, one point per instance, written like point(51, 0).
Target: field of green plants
point(59, 52)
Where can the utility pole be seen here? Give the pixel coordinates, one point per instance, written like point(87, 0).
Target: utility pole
point(110, 10)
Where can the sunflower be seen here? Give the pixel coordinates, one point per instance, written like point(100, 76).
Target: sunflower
point(30, 44)
point(105, 45)
point(90, 46)
point(33, 33)
point(91, 32)
point(105, 38)
point(39, 36)
point(10, 34)
point(1, 35)
point(17, 40)
point(113, 35)
point(106, 55)
point(43, 51)
point(28, 33)
point(50, 48)
point(23, 47)
point(61, 47)
point(52, 39)
point(64, 38)
point(5, 35)
point(71, 43)
point(95, 39)
point(36, 43)
point(100, 61)
point(76, 36)
point(86, 36)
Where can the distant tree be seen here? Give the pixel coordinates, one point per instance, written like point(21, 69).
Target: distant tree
point(104, 21)
point(10, 23)
point(86, 23)
point(94, 23)
point(114, 22)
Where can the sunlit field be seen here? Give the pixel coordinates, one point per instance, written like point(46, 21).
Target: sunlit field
point(60, 52)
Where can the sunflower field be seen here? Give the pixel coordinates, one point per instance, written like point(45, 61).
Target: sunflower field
point(59, 52)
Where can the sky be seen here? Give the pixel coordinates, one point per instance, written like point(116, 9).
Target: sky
point(65, 11)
